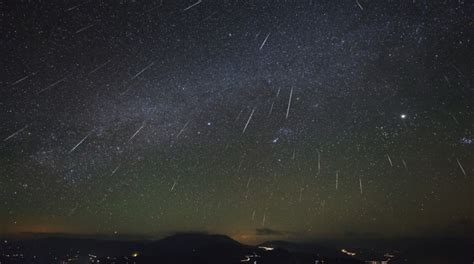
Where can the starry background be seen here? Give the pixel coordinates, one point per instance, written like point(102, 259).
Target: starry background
point(255, 119)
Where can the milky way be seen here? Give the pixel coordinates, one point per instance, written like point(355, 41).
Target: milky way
point(308, 118)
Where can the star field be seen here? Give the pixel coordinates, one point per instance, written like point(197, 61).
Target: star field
point(308, 118)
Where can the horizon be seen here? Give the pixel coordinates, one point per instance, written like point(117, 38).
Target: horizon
point(254, 240)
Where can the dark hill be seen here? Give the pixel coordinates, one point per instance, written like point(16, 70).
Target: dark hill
point(198, 248)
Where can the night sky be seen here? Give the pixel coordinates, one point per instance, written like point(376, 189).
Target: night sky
point(255, 119)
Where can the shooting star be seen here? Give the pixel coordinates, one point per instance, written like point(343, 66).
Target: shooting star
point(16, 133)
point(78, 144)
point(193, 5)
point(174, 185)
point(248, 121)
point(136, 133)
point(99, 67)
point(360, 6)
point(248, 185)
point(22, 79)
point(271, 109)
point(238, 116)
point(76, 6)
point(52, 85)
point(143, 70)
point(240, 164)
point(447, 80)
point(337, 179)
point(264, 41)
point(389, 160)
point(182, 129)
point(278, 92)
point(457, 69)
point(84, 28)
point(460, 166)
point(289, 103)
point(115, 170)
point(404, 164)
point(360, 185)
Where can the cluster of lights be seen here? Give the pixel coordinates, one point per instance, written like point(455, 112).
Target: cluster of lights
point(248, 258)
point(467, 141)
point(348, 252)
point(266, 248)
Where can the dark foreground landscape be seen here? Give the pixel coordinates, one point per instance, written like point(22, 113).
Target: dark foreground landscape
point(204, 248)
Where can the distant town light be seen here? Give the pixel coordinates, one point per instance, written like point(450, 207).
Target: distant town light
point(266, 248)
point(246, 259)
point(348, 252)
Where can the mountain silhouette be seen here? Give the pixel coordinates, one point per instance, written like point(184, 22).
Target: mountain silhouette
point(197, 248)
